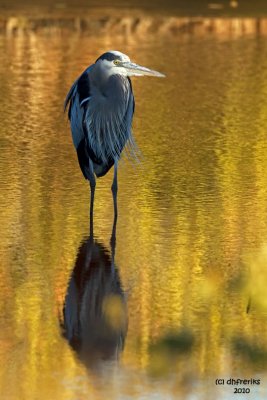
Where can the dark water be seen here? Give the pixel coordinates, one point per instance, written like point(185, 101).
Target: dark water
point(164, 313)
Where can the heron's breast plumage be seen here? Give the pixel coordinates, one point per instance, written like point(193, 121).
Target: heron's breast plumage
point(107, 125)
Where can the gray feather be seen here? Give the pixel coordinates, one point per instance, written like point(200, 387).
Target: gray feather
point(101, 113)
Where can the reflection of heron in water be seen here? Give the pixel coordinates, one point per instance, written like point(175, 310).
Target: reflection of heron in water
point(94, 314)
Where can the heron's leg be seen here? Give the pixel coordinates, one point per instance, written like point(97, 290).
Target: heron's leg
point(92, 187)
point(113, 245)
point(113, 237)
point(114, 189)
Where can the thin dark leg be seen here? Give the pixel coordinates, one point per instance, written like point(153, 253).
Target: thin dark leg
point(92, 187)
point(113, 236)
point(113, 244)
point(114, 189)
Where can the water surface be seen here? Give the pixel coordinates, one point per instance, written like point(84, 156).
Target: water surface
point(191, 245)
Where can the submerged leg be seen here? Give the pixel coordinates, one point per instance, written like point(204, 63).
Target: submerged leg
point(92, 187)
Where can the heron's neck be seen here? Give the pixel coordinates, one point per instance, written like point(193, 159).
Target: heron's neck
point(110, 86)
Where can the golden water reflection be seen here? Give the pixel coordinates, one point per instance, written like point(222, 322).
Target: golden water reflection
point(95, 314)
point(191, 235)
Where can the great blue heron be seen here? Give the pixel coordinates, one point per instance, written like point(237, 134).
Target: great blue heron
point(101, 108)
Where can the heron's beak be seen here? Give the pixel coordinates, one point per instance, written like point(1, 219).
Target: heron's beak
point(137, 70)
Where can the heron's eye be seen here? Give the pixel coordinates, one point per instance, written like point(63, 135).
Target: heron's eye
point(116, 62)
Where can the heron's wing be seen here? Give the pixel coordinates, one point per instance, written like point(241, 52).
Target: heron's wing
point(78, 101)
point(68, 99)
point(79, 94)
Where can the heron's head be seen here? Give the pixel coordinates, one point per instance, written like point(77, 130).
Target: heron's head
point(115, 62)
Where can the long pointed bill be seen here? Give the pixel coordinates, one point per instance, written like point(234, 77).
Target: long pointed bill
point(137, 70)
